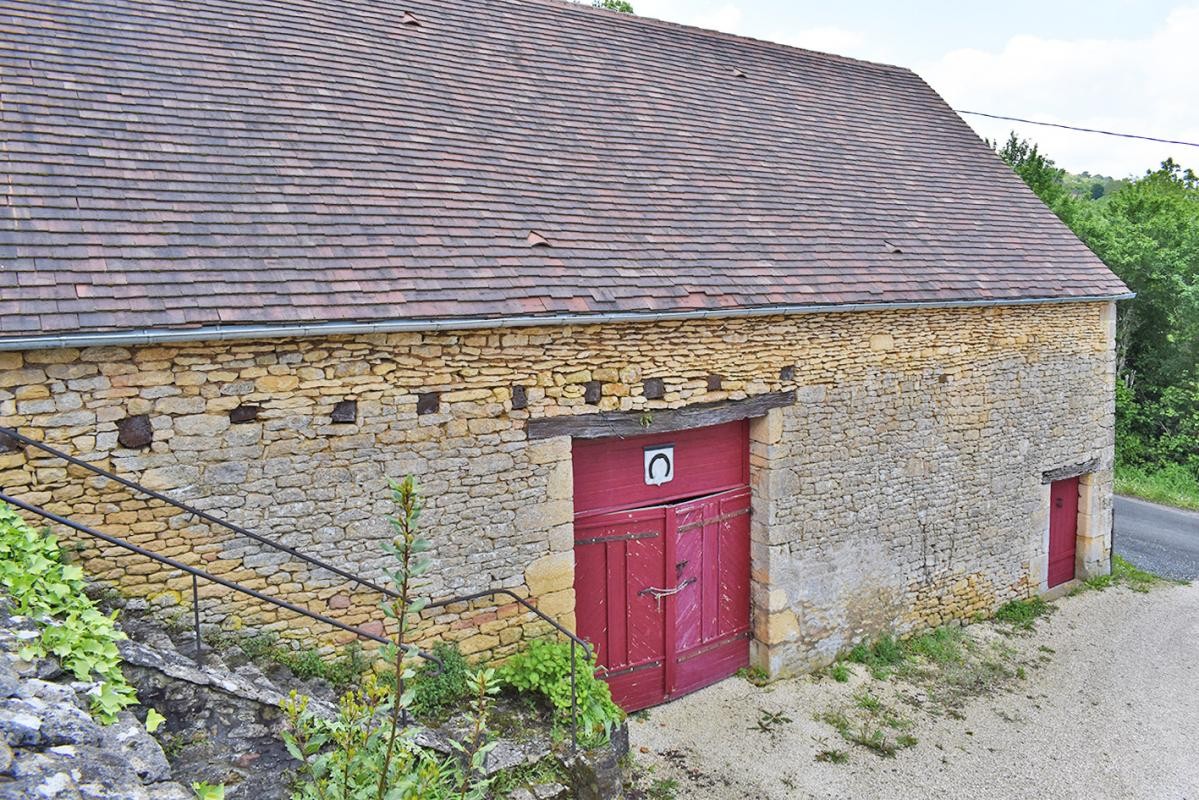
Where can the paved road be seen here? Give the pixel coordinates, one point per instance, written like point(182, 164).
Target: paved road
point(1160, 539)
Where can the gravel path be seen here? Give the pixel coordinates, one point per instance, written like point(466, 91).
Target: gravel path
point(1113, 712)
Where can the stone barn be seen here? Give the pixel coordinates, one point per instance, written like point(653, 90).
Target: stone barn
point(718, 351)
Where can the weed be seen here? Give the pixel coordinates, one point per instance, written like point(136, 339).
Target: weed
point(547, 770)
point(755, 675)
point(208, 791)
point(437, 690)
point(1023, 614)
point(840, 672)
point(868, 702)
point(880, 658)
point(833, 756)
point(940, 646)
point(1137, 579)
point(906, 740)
point(662, 789)
point(872, 739)
point(769, 720)
point(340, 671)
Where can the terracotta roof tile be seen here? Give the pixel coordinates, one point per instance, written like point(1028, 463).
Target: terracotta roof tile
point(200, 162)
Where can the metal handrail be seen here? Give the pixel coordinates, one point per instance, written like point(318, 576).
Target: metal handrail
point(196, 573)
point(204, 515)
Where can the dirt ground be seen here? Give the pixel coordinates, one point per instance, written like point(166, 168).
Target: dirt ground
point(1100, 700)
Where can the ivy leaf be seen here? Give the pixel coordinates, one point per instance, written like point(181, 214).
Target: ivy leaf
point(154, 720)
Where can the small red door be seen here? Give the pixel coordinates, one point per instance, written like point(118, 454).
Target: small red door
point(1063, 530)
point(663, 595)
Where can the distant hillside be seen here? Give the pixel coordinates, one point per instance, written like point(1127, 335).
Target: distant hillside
point(1086, 185)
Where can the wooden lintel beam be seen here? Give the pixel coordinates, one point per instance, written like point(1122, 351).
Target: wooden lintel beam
point(662, 420)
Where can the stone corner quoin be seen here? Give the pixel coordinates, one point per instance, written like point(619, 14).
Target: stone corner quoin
point(902, 488)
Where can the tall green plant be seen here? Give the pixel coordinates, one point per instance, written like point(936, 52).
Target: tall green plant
point(368, 751)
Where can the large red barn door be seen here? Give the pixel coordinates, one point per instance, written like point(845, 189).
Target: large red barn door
point(662, 590)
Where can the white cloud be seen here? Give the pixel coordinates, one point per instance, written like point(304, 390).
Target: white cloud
point(727, 18)
point(829, 39)
point(1145, 85)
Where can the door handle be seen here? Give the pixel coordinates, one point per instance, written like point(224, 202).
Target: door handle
point(658, 594)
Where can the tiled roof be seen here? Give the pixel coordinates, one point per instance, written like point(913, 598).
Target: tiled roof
point(179, 163)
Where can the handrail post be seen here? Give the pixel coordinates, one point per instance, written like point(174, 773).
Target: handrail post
point(196, 613)
point(574, 703)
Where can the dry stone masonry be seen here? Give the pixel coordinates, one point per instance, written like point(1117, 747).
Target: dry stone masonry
point(903, 488)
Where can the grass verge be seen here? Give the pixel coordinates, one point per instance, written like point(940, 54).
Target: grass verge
point(1173, 486)
point(1125, 574)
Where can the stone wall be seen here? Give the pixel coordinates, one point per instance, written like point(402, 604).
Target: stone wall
point(903, 487)
point(915, 493)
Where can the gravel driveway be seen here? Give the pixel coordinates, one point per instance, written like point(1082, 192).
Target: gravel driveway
point(1111, 712)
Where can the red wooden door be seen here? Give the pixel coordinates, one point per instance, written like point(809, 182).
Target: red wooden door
point(617, 555)
point(663, 595)
point(711, 611)
point(1063, 530)
point(662, 589)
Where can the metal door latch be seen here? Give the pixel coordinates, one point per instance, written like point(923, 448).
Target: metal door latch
point(658, 594)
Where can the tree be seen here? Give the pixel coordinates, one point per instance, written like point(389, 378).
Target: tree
point(1038, 171)
point(1147, 231)
point(623, 6)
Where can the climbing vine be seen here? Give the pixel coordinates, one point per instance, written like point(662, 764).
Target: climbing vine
point(51, 592)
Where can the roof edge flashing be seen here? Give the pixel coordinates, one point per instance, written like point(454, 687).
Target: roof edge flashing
point(149, 336)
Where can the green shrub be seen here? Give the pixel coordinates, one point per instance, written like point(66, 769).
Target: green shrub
point(83, 639)
point(438, 690)
point(544, 668)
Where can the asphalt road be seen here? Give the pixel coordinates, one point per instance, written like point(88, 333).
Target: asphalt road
point(1160, 539)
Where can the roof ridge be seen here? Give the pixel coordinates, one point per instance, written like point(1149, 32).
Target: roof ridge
point(635, 18)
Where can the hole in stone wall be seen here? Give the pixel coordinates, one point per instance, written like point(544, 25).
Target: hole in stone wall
point(715, 382)
point(654, 389)
point(787, 373)
point(244, 413)
point(592, 392)
point(520, 397)
point(346, 411)
point(135, 432)
point(8, 444)
point(428, 402)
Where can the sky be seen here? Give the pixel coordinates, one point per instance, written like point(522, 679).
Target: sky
point(1123, 65)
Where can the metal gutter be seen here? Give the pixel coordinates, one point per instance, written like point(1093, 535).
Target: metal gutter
point(226, 332)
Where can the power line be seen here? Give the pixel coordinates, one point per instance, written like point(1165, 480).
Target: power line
point(1076, 128)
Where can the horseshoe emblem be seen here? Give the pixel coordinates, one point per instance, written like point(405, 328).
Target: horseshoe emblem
point(659, 464)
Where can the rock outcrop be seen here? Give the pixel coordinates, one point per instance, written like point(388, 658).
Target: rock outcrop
point(52, 749)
